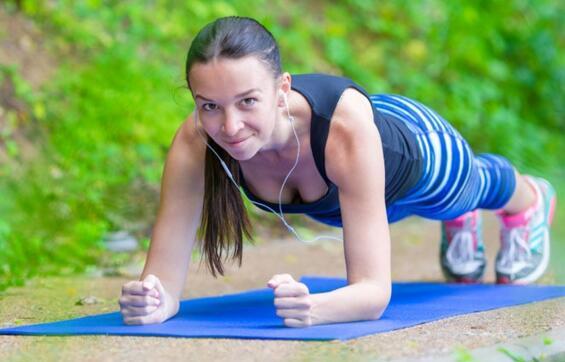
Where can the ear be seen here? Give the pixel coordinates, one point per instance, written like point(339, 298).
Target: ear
point(283, 87)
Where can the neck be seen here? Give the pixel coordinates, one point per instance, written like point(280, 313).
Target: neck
point(283, 145)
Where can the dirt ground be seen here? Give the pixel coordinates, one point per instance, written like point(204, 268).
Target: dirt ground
point(415, 243)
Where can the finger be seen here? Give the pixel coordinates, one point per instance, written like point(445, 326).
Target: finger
point(292, 313)
point(279, 279)
point(138, 311)
point(292, 303)
point(138, 301)
point(296, 323)
point(136, 288)
point(291, 290)
point(139, 320)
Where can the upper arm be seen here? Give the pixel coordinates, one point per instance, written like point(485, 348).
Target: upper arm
point(355, 163)
point(180, 207)
point(183, 177)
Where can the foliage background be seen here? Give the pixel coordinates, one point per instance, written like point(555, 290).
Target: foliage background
point(102, 124)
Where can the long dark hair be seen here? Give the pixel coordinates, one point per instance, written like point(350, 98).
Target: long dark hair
point(224, 217)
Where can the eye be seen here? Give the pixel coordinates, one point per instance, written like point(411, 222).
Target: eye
point(208, 104)
point(245, 101)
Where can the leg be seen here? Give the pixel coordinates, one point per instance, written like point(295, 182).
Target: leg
point(522, 198)
point(492, 182)
point(524, 206)
point(455, 183)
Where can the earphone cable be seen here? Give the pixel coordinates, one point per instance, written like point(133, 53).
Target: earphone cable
point(280, 214)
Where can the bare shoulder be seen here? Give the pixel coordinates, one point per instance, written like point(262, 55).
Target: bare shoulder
point(187, 133)
point(186, 155)
point(187, 138)
point(353, 113)
point(353, 138)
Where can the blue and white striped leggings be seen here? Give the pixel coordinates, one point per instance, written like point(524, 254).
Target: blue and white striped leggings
point(454, 180)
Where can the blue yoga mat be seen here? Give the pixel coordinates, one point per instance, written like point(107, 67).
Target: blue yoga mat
point(251, 314)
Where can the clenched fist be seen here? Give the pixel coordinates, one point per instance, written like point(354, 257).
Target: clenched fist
point(147, 302)
point(292, 300)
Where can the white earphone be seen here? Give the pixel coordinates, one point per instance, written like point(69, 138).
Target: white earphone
point(280, 213)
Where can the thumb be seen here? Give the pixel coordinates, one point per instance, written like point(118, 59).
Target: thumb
point(160, 289)
point(279, 279)
point(149, 282)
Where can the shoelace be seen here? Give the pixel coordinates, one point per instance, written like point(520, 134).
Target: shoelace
point(461, 248)
point(514, 246)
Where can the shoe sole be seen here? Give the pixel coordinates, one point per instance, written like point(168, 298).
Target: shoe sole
point(472, 278)
point(538, 272)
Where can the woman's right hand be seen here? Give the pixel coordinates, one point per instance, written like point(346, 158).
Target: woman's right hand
point(147, 302)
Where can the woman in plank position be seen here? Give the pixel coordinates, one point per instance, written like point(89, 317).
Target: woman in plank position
point(320, 145)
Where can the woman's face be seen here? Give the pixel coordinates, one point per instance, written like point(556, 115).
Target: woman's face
point(236, 103)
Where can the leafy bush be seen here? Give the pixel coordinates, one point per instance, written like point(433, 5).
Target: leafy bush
point(492, 68)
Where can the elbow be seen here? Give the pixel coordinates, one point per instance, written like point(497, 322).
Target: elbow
point(379, 302)
point(377, 311)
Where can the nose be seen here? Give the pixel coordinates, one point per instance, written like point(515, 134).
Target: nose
point(232, 123)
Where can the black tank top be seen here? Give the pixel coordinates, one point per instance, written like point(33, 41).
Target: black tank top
point(403, 161)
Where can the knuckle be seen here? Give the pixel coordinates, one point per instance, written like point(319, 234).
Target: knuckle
point(150, 276)
point(307, 303)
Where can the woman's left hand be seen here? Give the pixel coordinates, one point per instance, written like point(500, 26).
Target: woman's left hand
point(292, 300)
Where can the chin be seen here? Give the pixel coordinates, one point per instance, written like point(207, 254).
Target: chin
point(242, 155)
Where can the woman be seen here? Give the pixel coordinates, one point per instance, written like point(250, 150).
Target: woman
point(356, 161)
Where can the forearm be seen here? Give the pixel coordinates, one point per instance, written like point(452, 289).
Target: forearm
point(170, 252)
point(171, 274)
point(359, 301)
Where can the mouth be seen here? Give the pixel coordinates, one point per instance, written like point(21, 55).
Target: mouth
point(236, 142)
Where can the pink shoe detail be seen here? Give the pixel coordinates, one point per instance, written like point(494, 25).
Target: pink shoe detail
point(552, 209)
point(460, 220)
point(521, 218)
point(454, 225)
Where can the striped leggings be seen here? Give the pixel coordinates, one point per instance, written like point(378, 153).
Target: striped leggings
point(454, 180)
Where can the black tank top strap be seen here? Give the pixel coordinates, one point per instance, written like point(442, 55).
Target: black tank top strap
point(403, 162)
point(322, 91)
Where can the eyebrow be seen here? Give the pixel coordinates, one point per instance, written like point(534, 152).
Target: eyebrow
point(237, 96)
